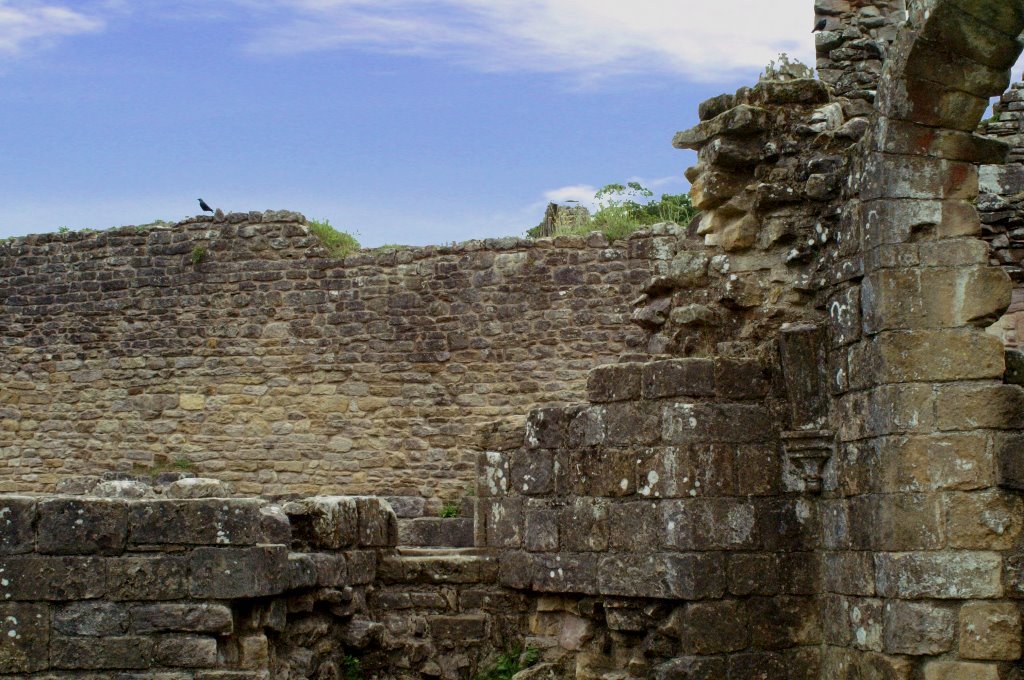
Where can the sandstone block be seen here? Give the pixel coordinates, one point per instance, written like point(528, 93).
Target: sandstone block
point(678, 377)
point(990, 630)
point(458, 629)
point(710, 628)
point(939, 575)
point(615, 382)
point(605, 472)
point(197, 487)
point(331, 570)
point(542, 528)
point(41, 577)
point(984, 520)
point(628, 423)
point(91, 618)
point(918, 628)
point(17, 524)
point(492, 474)
point(505, 522)
point(533, 472)
point(584, 525)
point(253, 652)
point(147, 577)
point(185, 651)
point(701, 422)
point(232, 573)
point(378, 526)
point(559, 573)
point(187, 618)
point(969, 407)
point(692, 576)
point(81, 527)
point(848, 573)
point(740, 379)
point(784, 622)
point(196, 522)
point(960, 670)
point(710, 524)
point(362, 566)
point(116, 653)
point(24, 637)
point(928, 355)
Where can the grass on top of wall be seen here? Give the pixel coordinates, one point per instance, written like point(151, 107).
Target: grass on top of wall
point(337, 243)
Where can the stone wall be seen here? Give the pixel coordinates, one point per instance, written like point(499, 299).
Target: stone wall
point(237, 589)
point(235, 347)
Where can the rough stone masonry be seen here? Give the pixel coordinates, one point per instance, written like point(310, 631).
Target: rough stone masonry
point(802, 459)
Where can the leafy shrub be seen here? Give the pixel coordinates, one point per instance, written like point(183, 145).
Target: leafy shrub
point(351, 668)
point(449, 510)
point(625, 208)
point(338, 243)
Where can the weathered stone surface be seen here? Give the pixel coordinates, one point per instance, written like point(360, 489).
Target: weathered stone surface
point(43, 577)
point(678, 377)
point(918, 628)
point(230, 573)
point(960, 670)
point(24, 637)
point(197, 487)
point(196, 522)
point(190, 618)
point(17, 519)
point(78, 527)
point(990, 630)
point(147, 577)
point(118, 653)
point(104, 619)
point(180, 651)
point(615, 382)
point(324, 521)
point(700, 422)
point(942, 575)
point(666, 575)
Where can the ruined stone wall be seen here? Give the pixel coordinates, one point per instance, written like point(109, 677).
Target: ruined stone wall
point(921, 535)
point(237, 589)
point(236, 348)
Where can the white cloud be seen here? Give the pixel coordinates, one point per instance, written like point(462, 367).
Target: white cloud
point(28, 24)
point(590, 38)
point(579, 193)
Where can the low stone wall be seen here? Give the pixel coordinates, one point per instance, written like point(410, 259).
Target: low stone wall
point(235, 347)
point(236, 589)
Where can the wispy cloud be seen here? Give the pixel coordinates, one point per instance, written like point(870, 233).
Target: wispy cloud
point(590, 38)
point(584, 194)
point(26, 24)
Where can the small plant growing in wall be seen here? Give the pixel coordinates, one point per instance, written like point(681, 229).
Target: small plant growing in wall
point(338, 243)
point(198, 255)
point(449, 510)
point(509, 663)
point(351, 668)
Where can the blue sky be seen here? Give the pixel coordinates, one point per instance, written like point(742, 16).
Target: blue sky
point(405, 121)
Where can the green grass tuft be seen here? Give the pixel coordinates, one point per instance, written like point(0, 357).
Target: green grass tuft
point(338, 243)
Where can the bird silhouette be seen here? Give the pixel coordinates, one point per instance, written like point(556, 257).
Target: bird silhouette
point(820, 26)
point(205, 208)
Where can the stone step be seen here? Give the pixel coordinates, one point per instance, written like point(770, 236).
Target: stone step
point(451, 532)
point(439, 568)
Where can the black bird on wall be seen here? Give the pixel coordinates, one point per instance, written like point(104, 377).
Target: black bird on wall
point(206, 208)
point(820, 26)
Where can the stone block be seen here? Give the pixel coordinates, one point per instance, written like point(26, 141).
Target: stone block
point(918, 628)
point(784, 622)
point(933, 356)
point(459, 629)
point(362, 566)
point(24, 637)
point(17, 524)
point(960, 670)
point(533, 472)
point(984, 520)
point(187, 618)
point(562, 572)
point(197, 487)
point(378, 526)
point(687, 576)
point(953, 461)
point(41, 577)
point(741, 379)
point(185, 651)
point(757, 665)
point(685, 423)
point(547, 428)
point(754, 574)
point(614, 382)
point(324, 522)
point(505, 522)
point(608, 473)
point(710, 524)
point(634, 527)
point(986, 405)
point(516, 569)
point(784, 525)
point(492, 474)
point(678, 377)
point(147, 577)
point(301, 571)
point(87, 653)
point(542, 522)
point(849, 573)
point(1009, 460)
point(629, 423)
point(688, 471)
point(91, 618)
point(207, 521)
point(990, 631)
point(253, 652)
point(716, 627)
point(451, 532)
point(70, 526)
point(233, 573)
point(331, 570)
point(758, 470)
point(939, 575)
point(584, 525)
